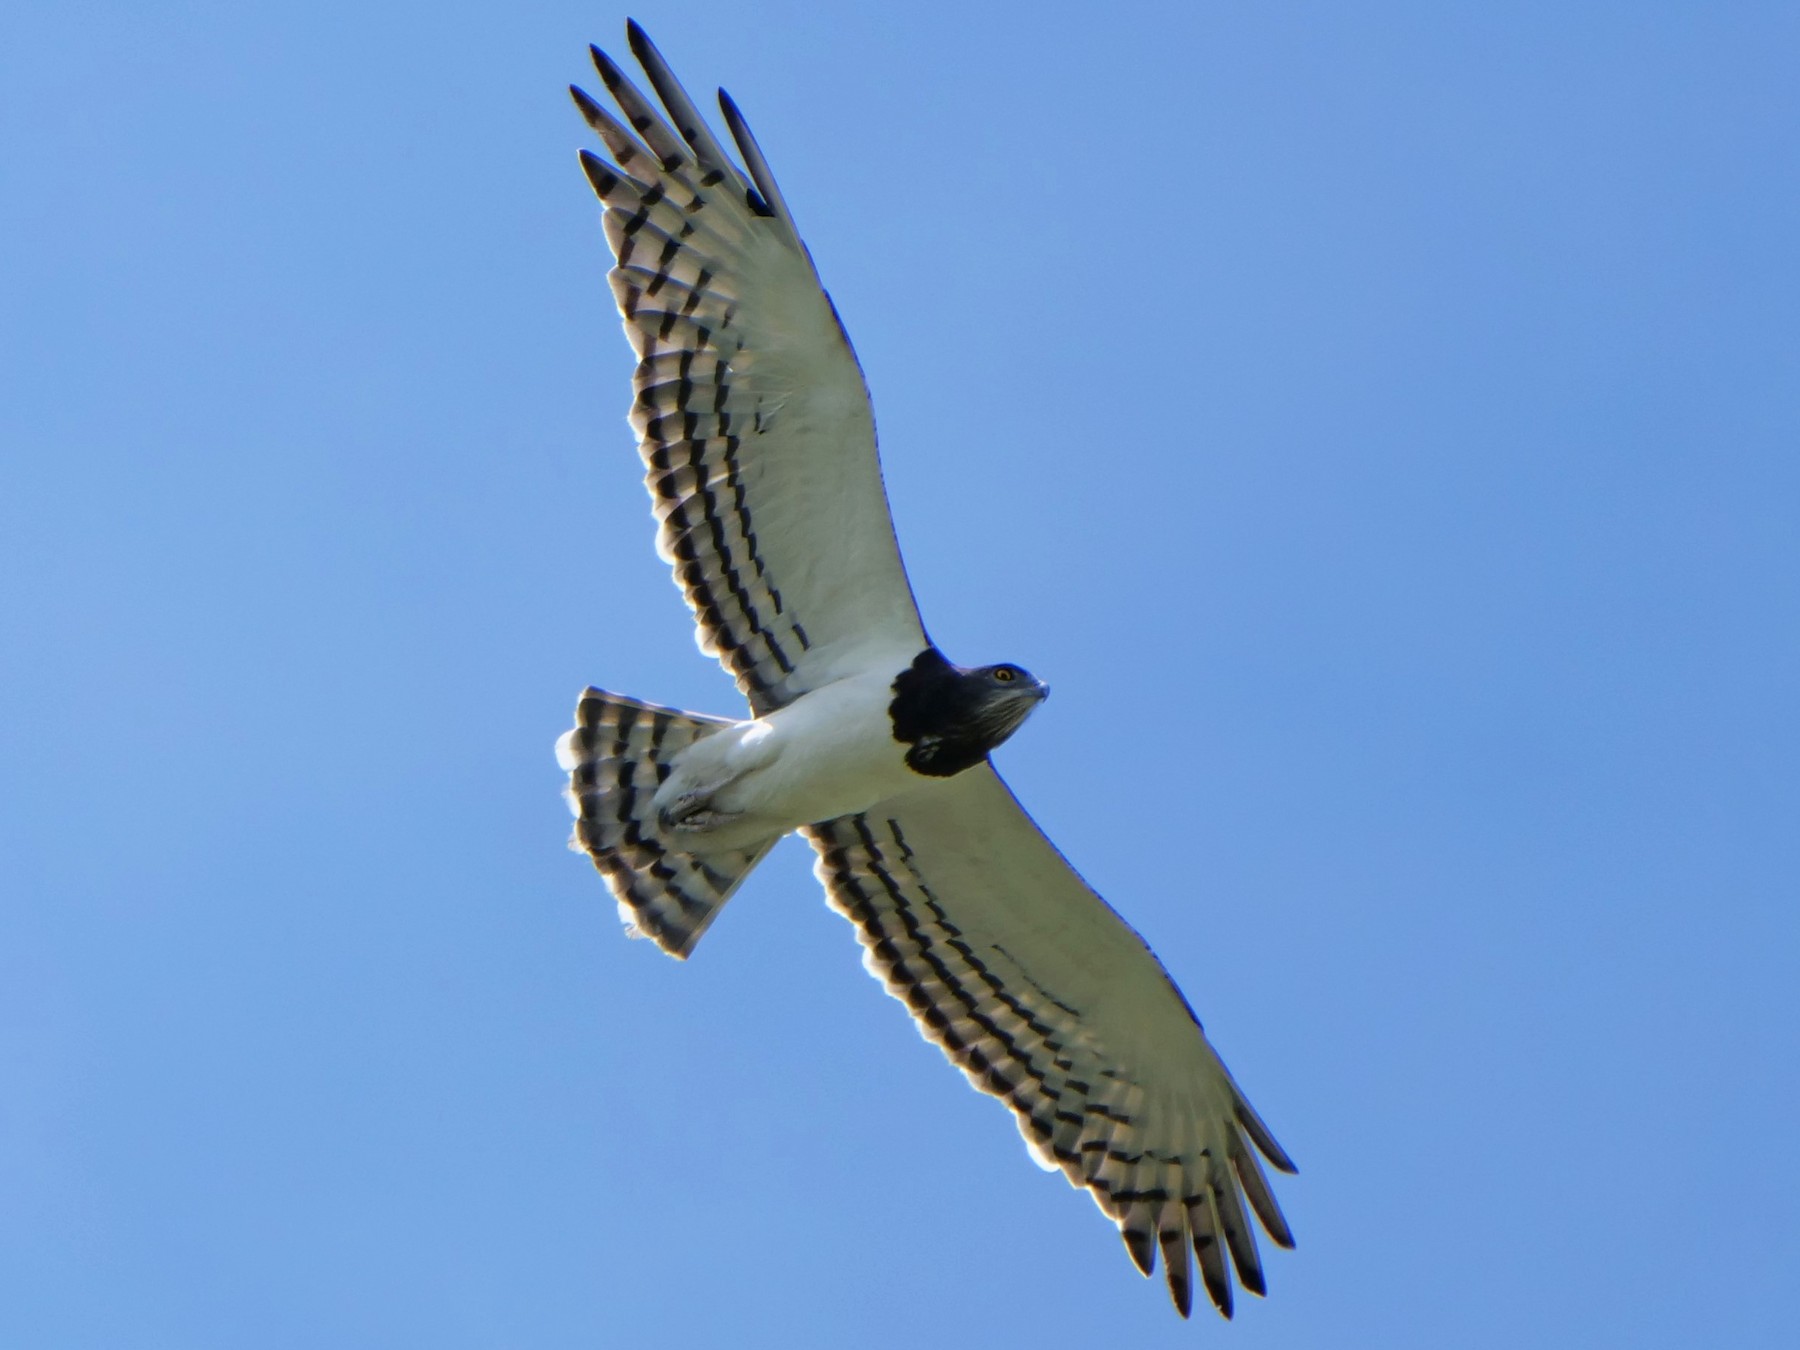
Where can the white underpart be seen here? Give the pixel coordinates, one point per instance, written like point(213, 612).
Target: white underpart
point(829, 753)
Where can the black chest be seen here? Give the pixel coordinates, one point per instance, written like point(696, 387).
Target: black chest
point(938, 714)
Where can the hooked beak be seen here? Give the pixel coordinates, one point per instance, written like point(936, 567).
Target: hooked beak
point(1007, 714)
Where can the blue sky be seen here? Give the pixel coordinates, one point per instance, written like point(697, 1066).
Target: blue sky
point(1378, 422)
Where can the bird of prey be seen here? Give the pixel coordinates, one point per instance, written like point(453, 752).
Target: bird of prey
point(759, 448)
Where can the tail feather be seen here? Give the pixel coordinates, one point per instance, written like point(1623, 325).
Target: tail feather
point(617, 755)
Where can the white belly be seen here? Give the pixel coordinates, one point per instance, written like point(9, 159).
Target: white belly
point(830, 753)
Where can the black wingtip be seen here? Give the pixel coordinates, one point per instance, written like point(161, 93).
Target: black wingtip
point(638, 39)
point(1220, 1294)
point(599, 176)
point(1264, 1141)
point(740, 132)
point(586, 105)
point(1142, 1248)
point(610, 74)
point(1218, 1286)
point(1181, 1290)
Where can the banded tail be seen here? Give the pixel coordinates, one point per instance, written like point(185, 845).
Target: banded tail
point(618, 753)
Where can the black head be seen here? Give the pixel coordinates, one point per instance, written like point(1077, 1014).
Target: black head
point(951, 716)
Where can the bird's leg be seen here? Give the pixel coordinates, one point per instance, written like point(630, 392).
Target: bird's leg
point(694, 813)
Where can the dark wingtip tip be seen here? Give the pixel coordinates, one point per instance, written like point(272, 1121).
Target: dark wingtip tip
point(637, 37)
point(1142, 1249)
point(608, 68)
point(598, 173)
point(1265, 1141)
point(1219, 1297)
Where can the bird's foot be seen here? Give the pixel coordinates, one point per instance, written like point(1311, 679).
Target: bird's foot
point(693, 813)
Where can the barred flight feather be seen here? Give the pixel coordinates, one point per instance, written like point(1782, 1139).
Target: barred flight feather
point(750, 410)
point(616, 756)
point(1035, 990)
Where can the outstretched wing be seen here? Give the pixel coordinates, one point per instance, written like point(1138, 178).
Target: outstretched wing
point(1045, 998)
point(752, 416)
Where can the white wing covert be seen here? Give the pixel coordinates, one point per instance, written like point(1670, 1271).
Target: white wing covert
point(753, 420)
point(1045, 998)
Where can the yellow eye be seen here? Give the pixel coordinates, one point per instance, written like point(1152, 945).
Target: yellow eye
point(1006, 674)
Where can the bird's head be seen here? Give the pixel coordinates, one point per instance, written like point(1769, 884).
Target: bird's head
point(953, 715)
point(1001, 698)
